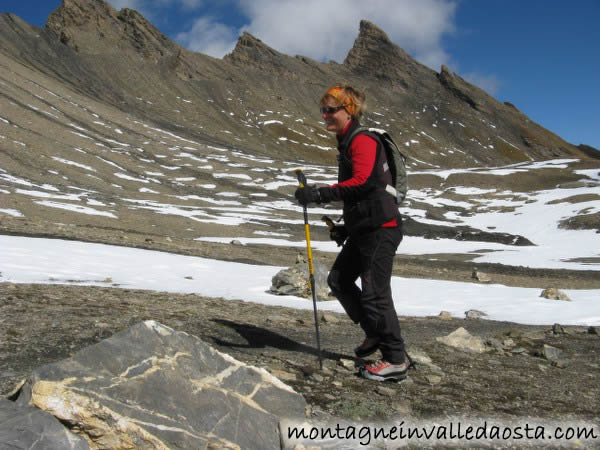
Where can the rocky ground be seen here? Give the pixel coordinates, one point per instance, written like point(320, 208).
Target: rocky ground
point(46, 323)
point(515, 378)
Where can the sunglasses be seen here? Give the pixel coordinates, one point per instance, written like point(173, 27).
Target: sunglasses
point(330, 109)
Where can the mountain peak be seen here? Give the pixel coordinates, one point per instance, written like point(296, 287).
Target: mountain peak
point(374, 54)
point(368, 30)
point(251, 51)
point(74, 15)
point(92, 26)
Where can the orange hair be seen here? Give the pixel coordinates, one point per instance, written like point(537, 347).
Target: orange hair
point(346, 96)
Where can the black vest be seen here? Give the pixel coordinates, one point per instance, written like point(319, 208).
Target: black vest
point(369, 205)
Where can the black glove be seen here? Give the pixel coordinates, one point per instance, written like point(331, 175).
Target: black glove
point(339, 234)
point(308, 194)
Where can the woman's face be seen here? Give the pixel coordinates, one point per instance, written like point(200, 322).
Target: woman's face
point(335, 116)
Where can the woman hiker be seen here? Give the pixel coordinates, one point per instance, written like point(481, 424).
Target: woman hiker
point(372, 231)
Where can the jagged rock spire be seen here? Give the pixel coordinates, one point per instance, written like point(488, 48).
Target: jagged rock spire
point(251, 50)
point(92, 26)
point(374, 54)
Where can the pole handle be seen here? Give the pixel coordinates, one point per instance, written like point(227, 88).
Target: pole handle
point(301, 177)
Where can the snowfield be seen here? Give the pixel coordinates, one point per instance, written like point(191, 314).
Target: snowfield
point(54, 261)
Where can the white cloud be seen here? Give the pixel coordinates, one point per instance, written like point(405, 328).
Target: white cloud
point(209, 37)
point(326, 30)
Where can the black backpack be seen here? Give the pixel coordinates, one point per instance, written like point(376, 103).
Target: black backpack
point(396, 161)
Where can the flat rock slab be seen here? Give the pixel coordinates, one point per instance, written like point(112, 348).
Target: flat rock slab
point(152, 387)
point(24, 426)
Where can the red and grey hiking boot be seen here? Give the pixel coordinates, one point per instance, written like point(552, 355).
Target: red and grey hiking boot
point(385, 371)
point(369, 346)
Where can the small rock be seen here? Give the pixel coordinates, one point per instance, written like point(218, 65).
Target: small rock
point(480, 276)
point(474, 314)
point(283, 375)
point(550, 353)
point(318, 378)
point(555, 294)
point(535, 335)
point(445, 315)
point(561, 363)
point(327, 372)
point(347, 364)
point(329, 318)
point(420, 357)
point(433, 379)
point(189, 277)
point(557, 329)
point(495, 343)
point(463, 340)
point(338, 384)
point(593, 330)
point(519, 350)
point(508, 343)
point(236, 242)
point(385, 391)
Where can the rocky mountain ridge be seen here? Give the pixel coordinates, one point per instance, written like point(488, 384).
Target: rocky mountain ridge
point(446, 121)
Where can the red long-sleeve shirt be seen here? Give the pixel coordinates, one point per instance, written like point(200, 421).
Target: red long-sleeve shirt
point(363, 153)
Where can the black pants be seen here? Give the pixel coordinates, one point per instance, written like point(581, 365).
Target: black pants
point(370, 256)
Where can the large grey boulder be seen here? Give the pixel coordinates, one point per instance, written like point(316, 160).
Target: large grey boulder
point(27, 427)
point(152, 387)
point(295, 280)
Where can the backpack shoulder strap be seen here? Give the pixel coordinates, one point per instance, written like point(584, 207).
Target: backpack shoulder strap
point(356, 132)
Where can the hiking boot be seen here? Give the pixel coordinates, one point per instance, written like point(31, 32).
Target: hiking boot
point(385, 371)
point(369, 346)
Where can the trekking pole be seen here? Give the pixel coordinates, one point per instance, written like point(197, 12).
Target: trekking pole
point(302, 181)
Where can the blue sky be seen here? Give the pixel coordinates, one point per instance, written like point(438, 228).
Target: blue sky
point(542, 56)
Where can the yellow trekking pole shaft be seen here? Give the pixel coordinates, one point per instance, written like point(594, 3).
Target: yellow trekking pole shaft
point(311, 270)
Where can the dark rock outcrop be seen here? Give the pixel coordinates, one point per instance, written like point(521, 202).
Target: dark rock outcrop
point(152, 387)
point(23, 426)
